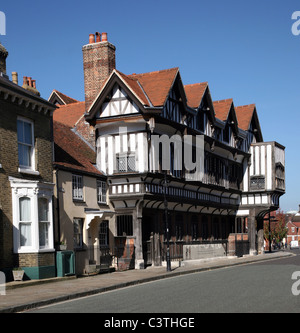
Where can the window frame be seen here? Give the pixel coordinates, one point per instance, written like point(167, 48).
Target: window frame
point(25, 222)
point(33, 190)
point(78, 245)
point(104, 234)
point(44, 223)
point(24, 167)
point(101, 192)
point(126, 156)
point(76, 183)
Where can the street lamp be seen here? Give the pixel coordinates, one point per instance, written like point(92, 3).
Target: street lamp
point(167, 223)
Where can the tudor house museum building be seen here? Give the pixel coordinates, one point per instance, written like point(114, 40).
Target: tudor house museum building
point(145, 171)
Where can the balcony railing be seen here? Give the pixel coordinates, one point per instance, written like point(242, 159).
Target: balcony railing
point(171, 191)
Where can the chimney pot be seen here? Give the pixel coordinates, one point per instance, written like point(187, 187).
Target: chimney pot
point(104, 36)
point(24, 80)
point(34, 84)
point(98, 37)
point(92, 39)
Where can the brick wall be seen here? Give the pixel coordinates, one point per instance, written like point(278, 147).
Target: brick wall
point(86, 131)
point(34, 259)
point(98, 63)
point(10, 109)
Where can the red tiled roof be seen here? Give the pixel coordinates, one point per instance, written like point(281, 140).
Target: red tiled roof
point(135, 87)
point(69, 114)
point(71, 151)
point(66, 99)
point(244, 115)
point(222, 108)
point(156, 85)
point(194, 93)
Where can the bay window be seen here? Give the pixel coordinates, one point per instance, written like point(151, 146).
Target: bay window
point(25, 221)
point(32, 216)
point(43, 207)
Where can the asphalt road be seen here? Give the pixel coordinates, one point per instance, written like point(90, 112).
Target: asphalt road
point(262, 287)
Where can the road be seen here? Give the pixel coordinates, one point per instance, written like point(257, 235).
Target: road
point(262, 287)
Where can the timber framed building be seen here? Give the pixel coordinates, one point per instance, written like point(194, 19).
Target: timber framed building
point(215, 210)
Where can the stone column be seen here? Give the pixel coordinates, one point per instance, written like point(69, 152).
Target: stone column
point(137, 232)
point(260, 236)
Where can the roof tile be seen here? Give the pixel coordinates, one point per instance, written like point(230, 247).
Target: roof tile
point(69, 114)
point(222, 108)
point(244, 115)
point(71, 151)
point(194, 93)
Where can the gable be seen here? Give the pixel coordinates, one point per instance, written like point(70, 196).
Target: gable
point(175, 107)
point(117, 103)
point(58, 98)
point(157, 85)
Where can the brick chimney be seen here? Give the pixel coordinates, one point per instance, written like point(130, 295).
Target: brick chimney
point(30, 85)
point(98, 62)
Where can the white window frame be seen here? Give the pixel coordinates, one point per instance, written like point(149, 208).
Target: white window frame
point(77, 190)
point(125, 157)
point(30, 169)
point(44, 222)
point(101, 191)
point(25, 222)
point(33, 190)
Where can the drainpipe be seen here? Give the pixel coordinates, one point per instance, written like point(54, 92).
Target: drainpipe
point(57, 205)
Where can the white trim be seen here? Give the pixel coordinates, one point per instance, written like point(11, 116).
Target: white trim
point(27, 168)
point(33, 190)
point(28, 171)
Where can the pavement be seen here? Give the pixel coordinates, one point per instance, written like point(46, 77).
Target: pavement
point(25, 295)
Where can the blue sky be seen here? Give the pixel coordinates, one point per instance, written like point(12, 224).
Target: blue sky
point(244, 49)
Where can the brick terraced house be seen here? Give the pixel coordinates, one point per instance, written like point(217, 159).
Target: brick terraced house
point(160, 203)
point(26, 184)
